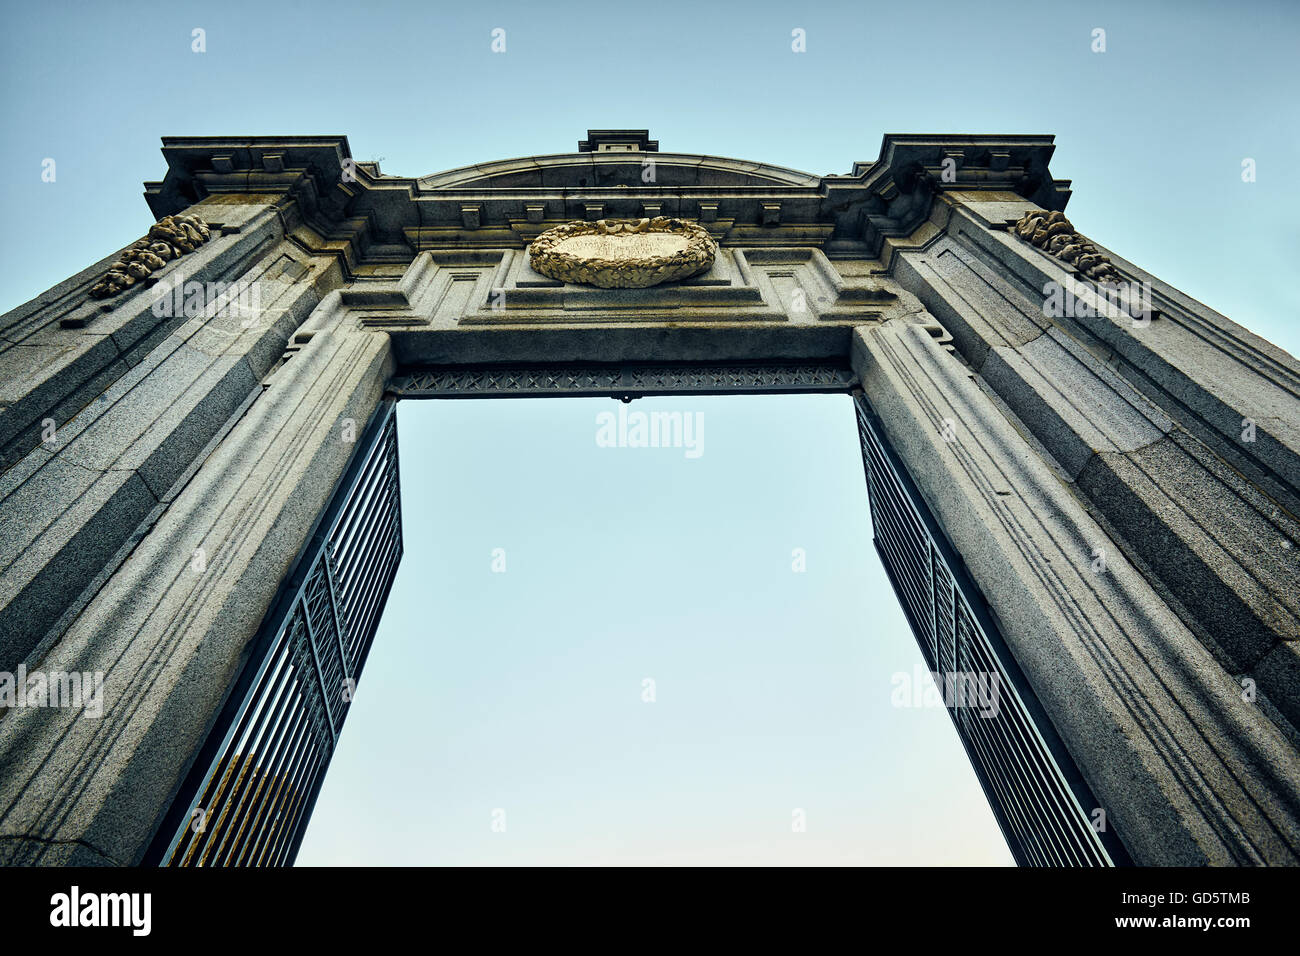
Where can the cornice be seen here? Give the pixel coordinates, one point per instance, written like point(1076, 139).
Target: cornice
point(509, 201)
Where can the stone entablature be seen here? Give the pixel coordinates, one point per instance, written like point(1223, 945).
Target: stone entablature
point(498, 288)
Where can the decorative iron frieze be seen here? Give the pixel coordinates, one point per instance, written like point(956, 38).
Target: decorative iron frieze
point(623, 253)
point(1053, 233)
point(629, 381)
point(169, 238)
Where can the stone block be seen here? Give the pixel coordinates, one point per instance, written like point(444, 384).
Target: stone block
point(1226, 552)
point(1074, 405)
point(64, 550)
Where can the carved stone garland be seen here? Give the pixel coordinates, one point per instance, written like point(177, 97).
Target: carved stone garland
point(1053, 233)
point(169, 238)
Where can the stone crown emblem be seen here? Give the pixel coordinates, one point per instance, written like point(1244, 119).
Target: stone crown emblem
point(623, 253)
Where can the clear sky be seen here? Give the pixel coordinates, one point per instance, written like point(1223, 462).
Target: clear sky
point(522, 690)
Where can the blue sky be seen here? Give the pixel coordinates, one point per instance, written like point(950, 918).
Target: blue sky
point(521, 690)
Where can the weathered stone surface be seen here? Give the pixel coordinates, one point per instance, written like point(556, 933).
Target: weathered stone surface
point(51, 371)
point(63, 549)
point(34, 397)
point(1227, 552)
point(1278, 673)
point(88, 488)
point(971, 299)
point(1206, 372)
point(1214, 541)
point(1075, 406)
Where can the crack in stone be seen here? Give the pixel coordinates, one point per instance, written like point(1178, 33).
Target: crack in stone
point(50, 841)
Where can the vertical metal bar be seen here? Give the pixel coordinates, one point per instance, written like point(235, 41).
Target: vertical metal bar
point(934, 605)
point(253, 748)
point(272, 756)
point(302, 739)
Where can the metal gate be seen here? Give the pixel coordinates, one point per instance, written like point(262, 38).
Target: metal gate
point(250, 794)
point(1045, 808)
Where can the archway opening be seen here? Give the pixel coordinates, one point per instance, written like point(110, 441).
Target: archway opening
point(653, 632)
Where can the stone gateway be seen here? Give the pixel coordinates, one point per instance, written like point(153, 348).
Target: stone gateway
point(1085, 500)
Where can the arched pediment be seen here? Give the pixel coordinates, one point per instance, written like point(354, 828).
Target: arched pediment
point(605, 169)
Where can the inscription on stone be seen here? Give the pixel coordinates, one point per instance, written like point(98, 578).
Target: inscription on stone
point(646, 245)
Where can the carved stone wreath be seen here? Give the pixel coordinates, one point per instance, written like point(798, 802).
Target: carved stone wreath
point(623, 253)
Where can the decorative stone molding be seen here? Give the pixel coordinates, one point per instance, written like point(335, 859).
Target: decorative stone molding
point(623, 253)
point(169, 238)
point(1053, 233)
